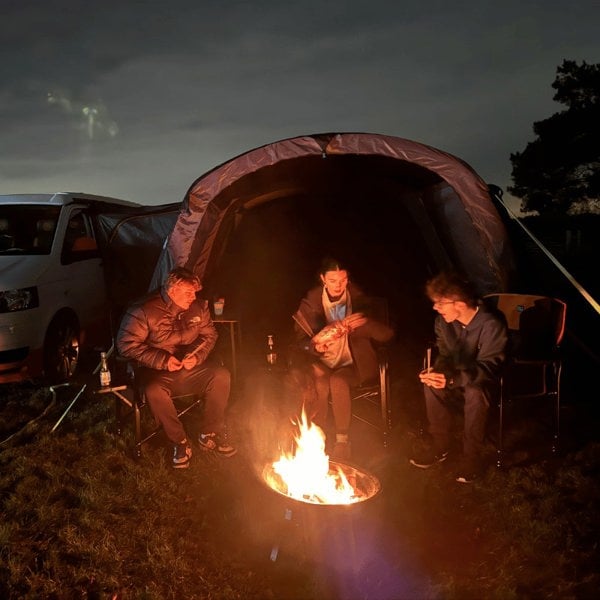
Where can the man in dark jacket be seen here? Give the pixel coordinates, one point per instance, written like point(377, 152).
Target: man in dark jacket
point(335, 331)
point(170, 334)
point(471, 344)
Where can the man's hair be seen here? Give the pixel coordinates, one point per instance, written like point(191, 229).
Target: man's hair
point(179, 274)
point(331, 264)
point(452, 285)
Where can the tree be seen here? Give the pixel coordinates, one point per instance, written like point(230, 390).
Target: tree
point(560, 170)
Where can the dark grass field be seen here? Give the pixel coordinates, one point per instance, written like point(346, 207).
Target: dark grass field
point(79, 518)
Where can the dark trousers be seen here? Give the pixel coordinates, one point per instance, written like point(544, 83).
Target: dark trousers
point(209, 380)
point(439, 405)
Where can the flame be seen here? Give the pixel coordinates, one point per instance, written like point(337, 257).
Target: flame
point(307, 474)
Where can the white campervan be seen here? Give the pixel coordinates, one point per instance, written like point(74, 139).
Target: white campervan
point(52, 287)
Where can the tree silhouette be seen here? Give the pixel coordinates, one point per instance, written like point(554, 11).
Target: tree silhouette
point(560, 169)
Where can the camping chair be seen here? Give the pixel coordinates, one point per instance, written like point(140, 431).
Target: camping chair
point(376, 395)
point(184, 404)
point(130, 402)
point(370, 401)
point(536, 326)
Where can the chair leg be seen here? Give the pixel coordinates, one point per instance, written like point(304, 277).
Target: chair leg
point(118, 416)
point(386, 413)
point(140, 439)
point(557, 369)
point(500, 443)
point(138, 429)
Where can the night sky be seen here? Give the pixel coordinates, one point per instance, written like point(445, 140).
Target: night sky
point(138, 99)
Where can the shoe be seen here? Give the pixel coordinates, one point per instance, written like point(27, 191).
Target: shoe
point(211, 442)
point(468, 472)
point(182, 453)
point(428, 459)
point(342, 451)
point(466, 477)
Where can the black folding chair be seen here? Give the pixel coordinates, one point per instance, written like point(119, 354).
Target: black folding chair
point(130, 402)
point(536, 326)
point(377, 393)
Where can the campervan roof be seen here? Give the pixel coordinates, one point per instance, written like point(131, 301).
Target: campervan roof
point(63, 198)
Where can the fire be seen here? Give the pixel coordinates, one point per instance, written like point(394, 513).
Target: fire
point(307, 475)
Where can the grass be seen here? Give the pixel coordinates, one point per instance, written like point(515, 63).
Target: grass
point(80, 519)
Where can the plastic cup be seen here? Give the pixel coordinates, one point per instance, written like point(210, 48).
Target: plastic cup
point(218, 306)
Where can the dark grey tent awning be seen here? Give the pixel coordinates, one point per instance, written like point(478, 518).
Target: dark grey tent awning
point(447, 200)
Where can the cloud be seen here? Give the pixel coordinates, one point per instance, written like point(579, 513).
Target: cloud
point(195, 83)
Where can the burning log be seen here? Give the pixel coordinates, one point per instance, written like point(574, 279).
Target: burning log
point(307, 474)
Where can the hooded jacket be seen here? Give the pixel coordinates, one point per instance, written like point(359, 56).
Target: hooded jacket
point(471, 354)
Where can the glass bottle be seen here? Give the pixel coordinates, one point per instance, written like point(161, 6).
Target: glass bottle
point(104, 370)
point(271, 352)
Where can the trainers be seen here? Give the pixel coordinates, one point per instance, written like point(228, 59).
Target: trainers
point(428, 459)
point(468, 472)
point(342, 451)
point(181, 455)
point(466, 477)
point(211, 442)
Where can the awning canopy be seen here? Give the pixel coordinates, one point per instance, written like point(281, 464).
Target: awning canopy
point(443, 197)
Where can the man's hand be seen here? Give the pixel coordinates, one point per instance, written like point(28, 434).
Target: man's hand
point(353, 321)
point(336, 330)
point(433, 379)
point(189, 361)
point(174, 364)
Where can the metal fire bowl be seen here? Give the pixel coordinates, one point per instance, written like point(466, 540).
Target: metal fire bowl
point(366, 485)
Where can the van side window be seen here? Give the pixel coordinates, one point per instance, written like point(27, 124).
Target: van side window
point(79, 242)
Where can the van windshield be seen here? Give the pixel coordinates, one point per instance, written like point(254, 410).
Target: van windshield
point(27, 228)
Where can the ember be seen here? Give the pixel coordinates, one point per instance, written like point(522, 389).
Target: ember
point(309, 476)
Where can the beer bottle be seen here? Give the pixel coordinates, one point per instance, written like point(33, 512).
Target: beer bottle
point(104, 370)
point(271, 352)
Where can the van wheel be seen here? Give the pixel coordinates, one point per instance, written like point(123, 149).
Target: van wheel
point(61, 348)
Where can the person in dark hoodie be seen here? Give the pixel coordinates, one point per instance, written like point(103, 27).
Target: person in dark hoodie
point(336, 333)
point(471, 346)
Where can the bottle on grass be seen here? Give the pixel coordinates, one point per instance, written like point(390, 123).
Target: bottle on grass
point(271, 351)
point(104, 370)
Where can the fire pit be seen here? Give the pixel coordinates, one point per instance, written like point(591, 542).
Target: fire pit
point(363, 486)
point(307, 475)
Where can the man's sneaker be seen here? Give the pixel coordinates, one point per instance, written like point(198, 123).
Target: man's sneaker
point(211, 442)
point(468, 472)
point(181, 455)
point(428, 459)
point(466, 477)
point(342, 451)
